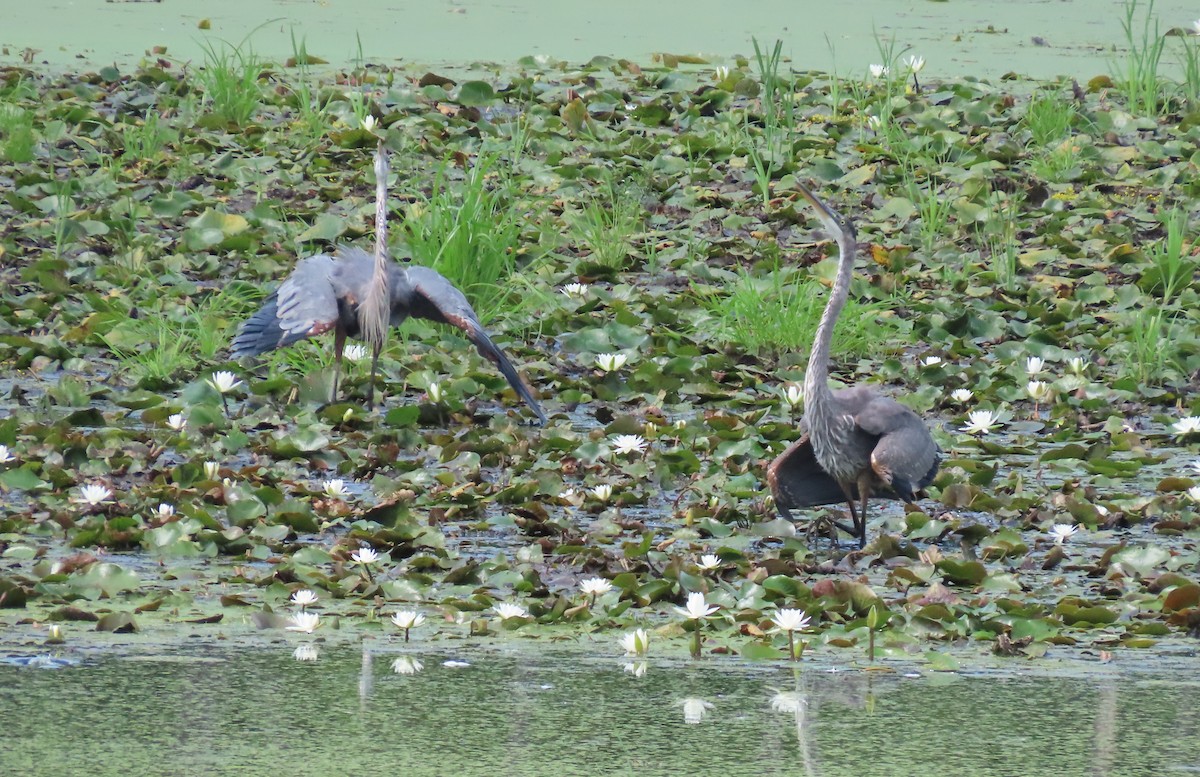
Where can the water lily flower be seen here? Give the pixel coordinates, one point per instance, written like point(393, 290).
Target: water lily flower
point(878, 71)
point(212, 470)
point(355, 352)
point(697, 608)
point(164, 512)
point(176, 421)
point(95, 494)
point(962, 395)
point(1196, 27)
point(224, 381)
point(793, 394)
point(609, 362)
point(434, 390)
point(336, 488)
point(575, 290)
point(721, 72)
point(306, 653)
point(931, 361)
point(930, 556)
point(364, 556)
point(1077, 365)
point(980, 421)
point(1034, 365)
point(306, 622)
point(636, 668)
point(695, 710)
point(508, 610)
point(1061, 532)
point(1194, 494)
point(595, 586)
point(629, 443)
point(5, 455)
point(914, 63)
point(1101, 509)
point(407, 665)
point(603, 492)
point(709, 562)
point(571, 497)
point(790, 620)
point(453, 664)
point(1186, 425)
point(789, 701)
point(636, 643)
point(407, 619)
point(303, 598)
point(874, 122)
point(368, 123)
point(1196, 467)
point(1039, 390)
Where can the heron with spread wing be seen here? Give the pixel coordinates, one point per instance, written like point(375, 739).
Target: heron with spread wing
point(858, 442)
point(355, 294)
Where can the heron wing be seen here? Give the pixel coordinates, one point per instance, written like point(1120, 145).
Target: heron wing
point(434, 298)
point(304, 305)
point(797, 480)
point(905, 455)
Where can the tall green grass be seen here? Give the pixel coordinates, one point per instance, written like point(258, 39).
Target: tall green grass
point(229, 80)
point(607, 221)
point(16, 133)
point(1138, 78)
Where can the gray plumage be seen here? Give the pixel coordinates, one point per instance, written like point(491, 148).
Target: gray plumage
point(858, 442)
point(323, 294)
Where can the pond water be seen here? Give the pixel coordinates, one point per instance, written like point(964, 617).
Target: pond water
point(983, 38)
point(262, 712)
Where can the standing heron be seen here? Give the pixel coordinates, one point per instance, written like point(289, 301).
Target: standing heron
point(359, 295)
point(858, 442)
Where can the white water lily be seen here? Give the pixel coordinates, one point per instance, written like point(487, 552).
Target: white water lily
point(697, 608)
point(931, 361)
point(306, 622)
point(1039, 390)
point(369, 123)
point(1077, 365)
point(335, 488)
point(629, 443)
point(721, 72)
point(595, 586)
point(695, 710)
point(306, 653)
point(164, 512)
point(980, 421)
point(355, 352)
point(508, 610)
point(636, 668)
point(790, 620)
point(5, 455)
point(212, 470)
point(176, 421)
point(609, 362)
point(224, 381)
point(793, 394)
point(878, 70)
point(407, 619)
point(603, 492)
point(364, 555)
point(789, 701)
point(94, 494)
point(709, 562)
point(1186, 425)
point(407, 665)
point(575, 290)
point(1196, 27)
point(1194, 494)
point(1034, 365)
point(636, 643)
point(453, 664)
point(571, 497)
point(304, 597)
point(434, 390)
point(914, 63)
point(962, 395)
point(874, 122)
point(1061, 532)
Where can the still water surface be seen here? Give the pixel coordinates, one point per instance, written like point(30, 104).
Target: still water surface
point(261, 712)
point(985, 38)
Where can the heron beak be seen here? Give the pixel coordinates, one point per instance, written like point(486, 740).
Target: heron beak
point(813, 200)
point(826, 215)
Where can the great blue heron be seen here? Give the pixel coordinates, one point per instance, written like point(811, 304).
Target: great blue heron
point(858, 442)
point(355, 294)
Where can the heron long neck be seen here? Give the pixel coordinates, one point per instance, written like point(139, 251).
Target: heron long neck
point(816, 376)
point(373, 311)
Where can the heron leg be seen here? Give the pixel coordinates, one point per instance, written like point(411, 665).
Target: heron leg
point(864, 491)
point(339, 344)
point(371, 385)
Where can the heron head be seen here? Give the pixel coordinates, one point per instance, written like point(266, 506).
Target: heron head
point(838, 225)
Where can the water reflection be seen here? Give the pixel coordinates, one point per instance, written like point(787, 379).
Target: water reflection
point(234, 712)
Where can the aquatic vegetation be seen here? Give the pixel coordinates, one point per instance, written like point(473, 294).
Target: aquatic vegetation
point(1029, 285)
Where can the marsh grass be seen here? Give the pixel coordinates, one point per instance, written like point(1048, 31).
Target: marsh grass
point(1154, 333)
point(933, 208)
point(1171, 268)
point(229, 80)
point(1190, 63)
point(997, 238)
point(769, 145)
point(1139, 79)
point(470, 231)
point(1059, 163)
point(774, 315)
point(1049, 118)
point(144, 142)
point(16, 133)
point(607, 221)
point(311, 111)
